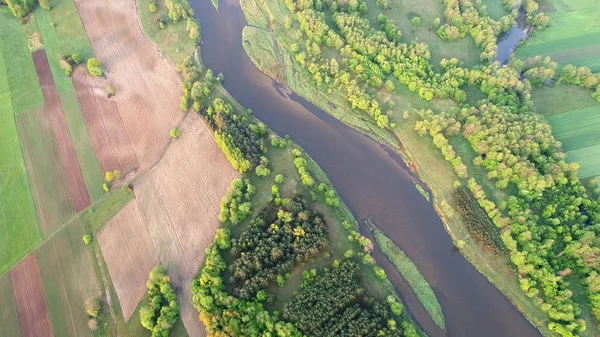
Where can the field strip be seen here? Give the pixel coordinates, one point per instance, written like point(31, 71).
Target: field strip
point(76, 216)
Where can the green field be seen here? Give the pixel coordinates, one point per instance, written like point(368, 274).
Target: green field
point(573, 36)
point(46, 173)
point(69, 280)
point(67, 37)
point(19, 231)
point(8, 311)
point(575, 119)
point(413, 277)
point(495, 8)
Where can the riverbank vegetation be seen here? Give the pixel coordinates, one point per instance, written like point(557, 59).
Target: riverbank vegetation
point(411, 274)
point(545, 219)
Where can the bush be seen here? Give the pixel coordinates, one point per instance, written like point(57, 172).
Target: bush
point(87, 239)
point(93, 324)
point(110, 91)
point(76, 58)
point(416, 21)
point(45, 4)
point(175, 133)
point(66, 66)
point(92, 307)
point(95, 67)
point(279, 179)
point(152, 7)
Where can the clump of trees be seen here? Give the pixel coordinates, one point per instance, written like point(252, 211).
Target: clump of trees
point(236, 205)
point(279, 238)
point(20, 8)
point(222, 313)
point(92, 308)
point(335, 304)
point(161, 312)
point(582, 77)
point(67, 62)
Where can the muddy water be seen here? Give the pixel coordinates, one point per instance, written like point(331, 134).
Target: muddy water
point(371, 180)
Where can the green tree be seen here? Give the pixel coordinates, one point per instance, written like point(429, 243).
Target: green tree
point(95, 67)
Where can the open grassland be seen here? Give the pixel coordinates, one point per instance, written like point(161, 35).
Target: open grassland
point(51, 191)
point(28, 292)
point(263, 46)
point(129, 253)
point(8, 311)
point(575, 120)
point(172, 41)
point(402, 11)
point(19, 231)
point(179, 199)
point(147, 87)
point(411, 274)
point(65, 38)
point(98, 215)
point(573, 36)
point(19, 72)
point(495, 8)
point(69, 280)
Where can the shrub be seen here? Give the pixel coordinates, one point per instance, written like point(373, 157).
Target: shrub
point(95, 67)
point(279, 179)
point(76, 58)
point(175, 133)
point(379, 272)
point(416, 21)
point(105, 187)
point(110, 91)
point(152, 7)
point(93, 324)
point(66, 66)
point(45, 4)
point(87, 239)
point(92, 307)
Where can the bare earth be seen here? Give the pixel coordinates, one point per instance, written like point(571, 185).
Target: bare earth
point(129, 255)
point(66, 149)
point(105, 126)
point(28, 292)
point(147, 87)
point(180, 200)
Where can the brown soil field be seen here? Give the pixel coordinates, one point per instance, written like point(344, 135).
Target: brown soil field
point(49, 184)
point(147, 86)
point(180, 199)
point(129, 254)
point(66, 149)
point(104, 124)
point(28, 292)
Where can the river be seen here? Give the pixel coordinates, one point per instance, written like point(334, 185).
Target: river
point(371, 180)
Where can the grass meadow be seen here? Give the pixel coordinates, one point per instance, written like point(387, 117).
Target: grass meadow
point(19, 231)
point(262, 45)
point(413, 277)
point(8, 311)
point(575, 120)
point(173, 41)
point(573, 36)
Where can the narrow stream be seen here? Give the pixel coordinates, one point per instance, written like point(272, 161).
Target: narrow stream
point(370, 179)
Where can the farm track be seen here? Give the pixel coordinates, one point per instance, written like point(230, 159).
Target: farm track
point(67, 153)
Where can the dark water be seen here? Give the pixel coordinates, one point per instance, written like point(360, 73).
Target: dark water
point(507, 42)
point(371, 180)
